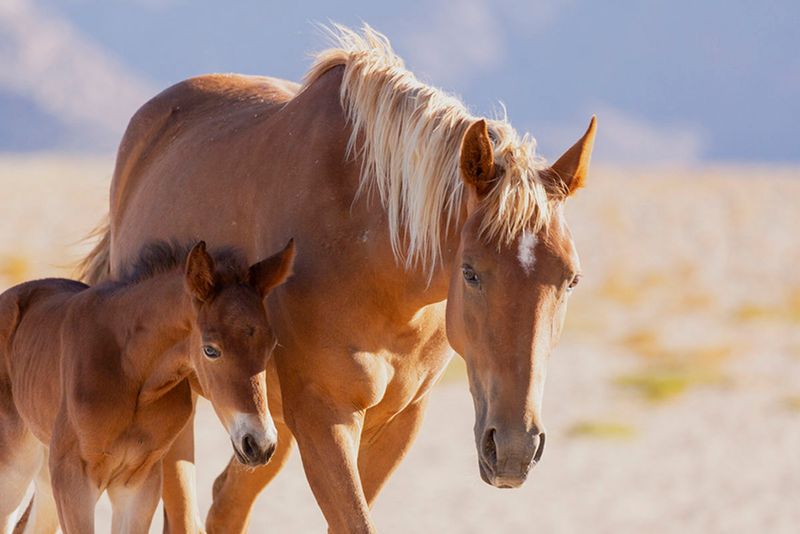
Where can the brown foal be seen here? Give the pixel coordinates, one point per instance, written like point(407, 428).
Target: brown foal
point(100, 380)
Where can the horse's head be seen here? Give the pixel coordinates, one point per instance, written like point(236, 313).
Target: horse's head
point(231, 342)
point(506, 306)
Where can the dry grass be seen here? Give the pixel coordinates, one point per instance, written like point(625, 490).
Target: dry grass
point(671, 371)
point(660, 384)
point(792, 403)
point(601, 430)
point(644, 342)
point(622, 289)
point(14, 269)
point(787, 310)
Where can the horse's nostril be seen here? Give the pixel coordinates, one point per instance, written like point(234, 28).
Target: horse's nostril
point(249, 447)
point(540, 449)
point(269, 452)
point(490, 448)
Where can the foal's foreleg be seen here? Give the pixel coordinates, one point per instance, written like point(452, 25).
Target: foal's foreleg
point(43, 518)
point(75, 494)
point(20, 456)
point(133, 506)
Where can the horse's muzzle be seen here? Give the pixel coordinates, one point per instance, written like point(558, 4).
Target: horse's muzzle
point(506, 462)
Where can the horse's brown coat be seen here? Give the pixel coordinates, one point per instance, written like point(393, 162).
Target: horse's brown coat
point(249, 162)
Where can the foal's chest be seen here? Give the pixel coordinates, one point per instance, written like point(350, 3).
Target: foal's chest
point(127, 457)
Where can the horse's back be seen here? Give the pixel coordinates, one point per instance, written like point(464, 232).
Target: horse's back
point(231, 160)
point(187, 104)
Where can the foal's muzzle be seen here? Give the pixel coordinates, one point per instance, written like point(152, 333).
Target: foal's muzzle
point(505, 460)
point(254, 439)
point(250, 451)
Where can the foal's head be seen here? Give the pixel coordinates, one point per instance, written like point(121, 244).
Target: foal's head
point(231, 342)
point(507, 299)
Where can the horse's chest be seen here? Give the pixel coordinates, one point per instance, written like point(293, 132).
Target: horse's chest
point(413, 372)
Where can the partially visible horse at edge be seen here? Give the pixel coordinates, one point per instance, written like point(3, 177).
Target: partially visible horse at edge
point(97, 380)
point(419, 227)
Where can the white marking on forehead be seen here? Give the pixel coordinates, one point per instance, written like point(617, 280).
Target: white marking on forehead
point(526, 253)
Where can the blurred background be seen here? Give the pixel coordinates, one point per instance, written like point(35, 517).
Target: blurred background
point(673, 401)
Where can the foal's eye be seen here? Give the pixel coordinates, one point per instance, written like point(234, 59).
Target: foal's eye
point(574, 282)
point(211, 352)
point(470, 276)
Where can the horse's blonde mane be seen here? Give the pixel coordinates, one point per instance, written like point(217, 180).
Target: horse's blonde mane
point(409, 140)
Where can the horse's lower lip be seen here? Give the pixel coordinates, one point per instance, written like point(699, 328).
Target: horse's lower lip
point(503, 482)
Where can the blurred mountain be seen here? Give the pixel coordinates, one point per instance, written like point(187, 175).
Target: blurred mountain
point(675, 81)
point(58, 89)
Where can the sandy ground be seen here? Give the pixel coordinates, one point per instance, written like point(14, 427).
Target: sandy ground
point(672, 404)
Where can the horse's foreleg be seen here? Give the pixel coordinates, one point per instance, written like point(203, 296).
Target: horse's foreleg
point(328, 436)
point(181, 512)
point(381, 452)
point(236, 489)
point(133, 506)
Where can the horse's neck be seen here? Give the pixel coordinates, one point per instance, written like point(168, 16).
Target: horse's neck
point(152, 322)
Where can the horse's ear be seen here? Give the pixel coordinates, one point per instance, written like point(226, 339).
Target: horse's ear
point(273, 271)
point(568, 173)
point(477, 158)
point(200, 273)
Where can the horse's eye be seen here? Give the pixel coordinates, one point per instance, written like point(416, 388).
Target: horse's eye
point(574, 282)
point(211, 352)
point(470, 276)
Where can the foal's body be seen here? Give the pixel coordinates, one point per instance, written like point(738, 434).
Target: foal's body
point(100, 377)
point(108, 405)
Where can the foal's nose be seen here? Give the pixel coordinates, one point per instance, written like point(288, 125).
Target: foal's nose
point(254, 454)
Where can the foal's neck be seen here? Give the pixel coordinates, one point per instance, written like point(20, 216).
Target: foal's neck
point(152, 321)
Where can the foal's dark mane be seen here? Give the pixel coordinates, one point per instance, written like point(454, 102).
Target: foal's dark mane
point(161, 257)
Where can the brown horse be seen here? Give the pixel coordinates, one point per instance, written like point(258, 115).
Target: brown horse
point(98, 379)
point(418, 225)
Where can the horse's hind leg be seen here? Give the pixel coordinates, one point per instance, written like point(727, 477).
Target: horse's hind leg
point(133, 506)
point(43, 518)
point(21, 455)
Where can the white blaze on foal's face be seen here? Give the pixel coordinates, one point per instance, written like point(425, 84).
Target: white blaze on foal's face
point(526, 254)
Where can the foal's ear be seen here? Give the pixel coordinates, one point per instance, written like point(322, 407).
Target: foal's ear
point(568, 174)
point(273, 271)
point(477, 158)
point(200, 272)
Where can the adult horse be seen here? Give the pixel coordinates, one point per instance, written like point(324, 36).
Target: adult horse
point(416, 223)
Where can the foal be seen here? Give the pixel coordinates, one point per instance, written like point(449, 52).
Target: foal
point(100, 377)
